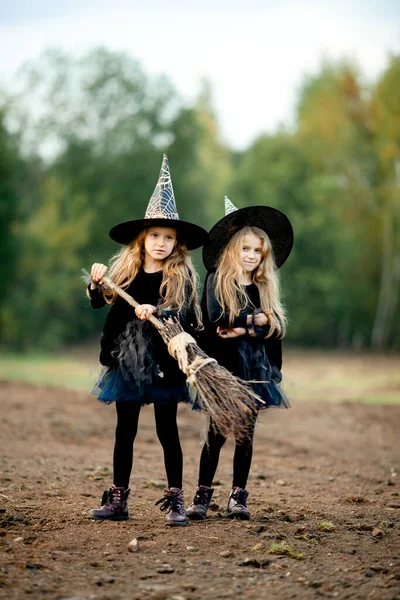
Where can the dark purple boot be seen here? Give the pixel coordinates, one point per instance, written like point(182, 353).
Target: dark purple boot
point(198, 510)
point(114, 505)
point(173, 506)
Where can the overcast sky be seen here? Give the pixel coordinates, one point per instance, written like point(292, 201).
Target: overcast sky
point(255, 53)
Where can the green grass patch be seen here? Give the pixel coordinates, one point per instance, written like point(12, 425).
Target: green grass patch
point(326, 526)
point(282, 548)
point(61, 371)
point(309, 538)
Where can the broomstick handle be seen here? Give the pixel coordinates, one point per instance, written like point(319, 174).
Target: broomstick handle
point(113, 286)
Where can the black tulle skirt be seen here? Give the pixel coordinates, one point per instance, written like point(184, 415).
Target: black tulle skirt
point(112, 386)
point(143, 371)
point(253, 366)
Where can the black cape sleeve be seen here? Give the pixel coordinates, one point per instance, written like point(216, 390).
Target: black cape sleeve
point(96, 298)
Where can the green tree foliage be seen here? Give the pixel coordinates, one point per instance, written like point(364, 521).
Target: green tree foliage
point(385, 119)
point(45, 287)
point(334, 132)
point(11, 168)
point(103, 98)
point(339, 134)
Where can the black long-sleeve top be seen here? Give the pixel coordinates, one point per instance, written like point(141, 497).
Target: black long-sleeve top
point(145, 289)
point(226, 351)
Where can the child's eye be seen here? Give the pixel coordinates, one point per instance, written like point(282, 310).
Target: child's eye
point(245, 247)
point(170, 237)
point(258, 250)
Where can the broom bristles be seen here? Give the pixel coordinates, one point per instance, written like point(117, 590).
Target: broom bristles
point(228, 400)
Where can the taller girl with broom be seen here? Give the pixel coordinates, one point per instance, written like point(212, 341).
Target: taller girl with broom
point(244, 322)
point(155, 268)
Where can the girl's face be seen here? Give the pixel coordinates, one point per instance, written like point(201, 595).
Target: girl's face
point(250, 252)
point(159, 242)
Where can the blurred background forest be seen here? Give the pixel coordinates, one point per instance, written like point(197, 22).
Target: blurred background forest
point(81, 147)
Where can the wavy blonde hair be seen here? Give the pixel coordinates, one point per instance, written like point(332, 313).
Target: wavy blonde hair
point(231, 294)
point(179, 274)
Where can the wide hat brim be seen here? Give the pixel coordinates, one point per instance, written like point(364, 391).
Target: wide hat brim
point(192, 235)
point(275, 224)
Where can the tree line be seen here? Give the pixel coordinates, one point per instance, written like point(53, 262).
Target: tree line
point(81, 145)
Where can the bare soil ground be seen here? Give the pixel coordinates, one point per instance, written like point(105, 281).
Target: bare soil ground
point(324, 485)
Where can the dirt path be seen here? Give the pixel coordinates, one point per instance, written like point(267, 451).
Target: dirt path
point(315, 463)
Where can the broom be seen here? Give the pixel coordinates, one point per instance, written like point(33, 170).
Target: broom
point(228, 400)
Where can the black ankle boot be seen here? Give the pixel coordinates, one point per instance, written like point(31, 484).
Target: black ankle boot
point(114, 505)
point(172, 504)
point(201, 501)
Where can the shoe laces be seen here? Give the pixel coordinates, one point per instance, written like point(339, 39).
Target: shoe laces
point(111, 496)
point(240, 496)
point(202, 496)
point(170, 501)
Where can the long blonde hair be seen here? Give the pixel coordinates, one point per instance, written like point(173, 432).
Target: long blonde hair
point(179, 274)
point(231, 294)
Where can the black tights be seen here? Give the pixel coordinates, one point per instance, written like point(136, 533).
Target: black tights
point(167, 431)
point(241, 460)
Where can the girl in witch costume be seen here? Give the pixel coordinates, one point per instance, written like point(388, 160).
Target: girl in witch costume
point(244, 324)
point(155, 268)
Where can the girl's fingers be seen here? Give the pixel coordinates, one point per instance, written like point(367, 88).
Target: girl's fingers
point(98, 271)
point(261, 319)
point(102, 272)
point(144, 311)
point(95, 274)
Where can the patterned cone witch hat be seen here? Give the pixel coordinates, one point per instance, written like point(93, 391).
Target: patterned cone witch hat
point(162, 202)
point(271, 220)
point(161, 211)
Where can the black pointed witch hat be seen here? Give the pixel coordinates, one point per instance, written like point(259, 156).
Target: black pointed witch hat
point(271, 220)
point(161, 210)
